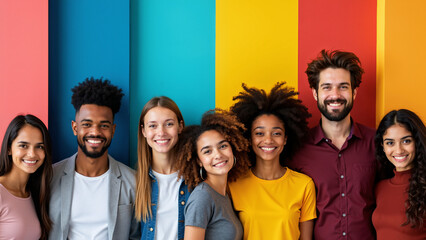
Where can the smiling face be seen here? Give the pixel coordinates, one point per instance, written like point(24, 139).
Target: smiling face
point(27, 150)
point(94, 129)
point(215, 153)
point(268, 137)
point(399, 147)
point(334, 95)
point(161, 129)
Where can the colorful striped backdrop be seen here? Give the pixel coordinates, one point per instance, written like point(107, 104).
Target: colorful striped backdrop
point(198, 52)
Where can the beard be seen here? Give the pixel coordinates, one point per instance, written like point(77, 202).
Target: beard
point(93, 154)
point(335, 115)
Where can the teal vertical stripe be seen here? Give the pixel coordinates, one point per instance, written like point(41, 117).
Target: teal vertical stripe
point(172, 54)
point(87, 38)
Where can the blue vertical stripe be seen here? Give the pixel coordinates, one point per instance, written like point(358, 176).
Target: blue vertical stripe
point(172, 54)
point(87, 38)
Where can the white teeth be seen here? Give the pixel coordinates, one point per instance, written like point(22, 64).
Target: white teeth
point(267, 149)
point(399, 158)
point(220, 164)
point(94, 141)
point(334, 104)
point(162, 141)
point(30, 162)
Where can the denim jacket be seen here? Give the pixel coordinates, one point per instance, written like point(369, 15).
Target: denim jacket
point(148, 227)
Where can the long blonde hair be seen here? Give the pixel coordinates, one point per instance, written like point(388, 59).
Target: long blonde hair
point(143, 181)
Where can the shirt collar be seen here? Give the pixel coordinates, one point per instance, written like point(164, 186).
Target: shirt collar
point(318, 134)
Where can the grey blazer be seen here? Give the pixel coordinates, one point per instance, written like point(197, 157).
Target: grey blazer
point(121, 221)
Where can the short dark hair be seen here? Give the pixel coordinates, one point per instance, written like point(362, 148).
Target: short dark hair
point(335, 59)
point(39, 182)
point(415, 204)
point(97, 91)
point(280, 102)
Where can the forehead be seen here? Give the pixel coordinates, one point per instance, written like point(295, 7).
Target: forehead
point(94, 112)
point(210, 137)
point(29, 133)
point(267, 120)
point(396, 131)
point(334, 76)
point(158, 114)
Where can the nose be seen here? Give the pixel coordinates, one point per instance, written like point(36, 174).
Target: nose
point(30, 152)
point(268, 138)
point(94, 130)
point(399, 149)
point(335, 93)
point(160, 130)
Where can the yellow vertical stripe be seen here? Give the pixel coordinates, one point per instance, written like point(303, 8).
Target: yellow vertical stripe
point(380, 61)
point(256, 43)
point(404, 56)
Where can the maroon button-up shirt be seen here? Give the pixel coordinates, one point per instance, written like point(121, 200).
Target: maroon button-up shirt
point(344, 180)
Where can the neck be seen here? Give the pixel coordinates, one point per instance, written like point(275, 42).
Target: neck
point(218, 183)
point(268, 170)
point(91, 167)
point(162, 163)
point(16, 182)
point(337, 131)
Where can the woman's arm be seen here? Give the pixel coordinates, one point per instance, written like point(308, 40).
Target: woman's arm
point(306, 229)
point(194, 233)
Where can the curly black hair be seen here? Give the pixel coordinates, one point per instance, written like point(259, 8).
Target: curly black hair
point(280, 102)
point(97, 91)
point(416, 205)
point(335, 59)
point(230, 128)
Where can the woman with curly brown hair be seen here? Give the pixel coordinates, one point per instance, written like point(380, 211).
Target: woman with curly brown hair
point(210, 155)
point(400, 149)
point(273, 201)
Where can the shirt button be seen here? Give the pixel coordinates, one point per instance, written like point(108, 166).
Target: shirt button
point(151, 229)
point(344, 233)
point(341, 176)
point(344, 214)
point(182, 192)
point(343, 194)
point(182, 203)
point(340, 154)
point(326, 140)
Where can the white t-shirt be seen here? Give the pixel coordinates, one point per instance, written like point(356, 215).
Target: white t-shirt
point(89, 208)
point(166, 226)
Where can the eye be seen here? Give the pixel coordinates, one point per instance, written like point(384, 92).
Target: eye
point(344, 87)
point(207, 151)
point(104, 126)
point(326, 87)
point(258, 133)
point(152, 125)
point(170, 124)
point(85, 124)
point(223, 146)
point(22, 146)
point(40, 147)
point(406, 141)
point(389, 143)
point(277, 133)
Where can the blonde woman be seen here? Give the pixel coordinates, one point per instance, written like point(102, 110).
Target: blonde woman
point(160, 195)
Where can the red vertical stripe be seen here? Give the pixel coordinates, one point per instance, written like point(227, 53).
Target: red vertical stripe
point(23, 59)
point(340, 25)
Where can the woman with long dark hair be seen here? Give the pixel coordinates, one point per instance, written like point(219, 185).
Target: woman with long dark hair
point(401, 198)
point(25, 175)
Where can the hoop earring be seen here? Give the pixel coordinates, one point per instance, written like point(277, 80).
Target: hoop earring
point(235, 161)
point(201, 172)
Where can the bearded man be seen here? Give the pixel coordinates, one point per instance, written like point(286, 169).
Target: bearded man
point(338, 154)
point(92, 193)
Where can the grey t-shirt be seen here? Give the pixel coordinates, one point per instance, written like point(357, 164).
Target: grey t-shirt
point(213, 212)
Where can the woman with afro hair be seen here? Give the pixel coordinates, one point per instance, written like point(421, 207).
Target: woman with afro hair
point(400, 198)
point(273, 201)
point(210, 155)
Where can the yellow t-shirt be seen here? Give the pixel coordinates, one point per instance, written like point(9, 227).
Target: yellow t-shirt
point(272, 209)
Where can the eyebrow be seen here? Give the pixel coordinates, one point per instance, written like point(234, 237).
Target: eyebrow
point(391, 139)
point(24, 142)
point(89, 120)
point(262, 127)
point(170, 119)
point(205, 147)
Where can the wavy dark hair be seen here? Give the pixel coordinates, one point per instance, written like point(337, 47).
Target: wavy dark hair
point(280, 102)
point(97, 91)
point(415, 204)
point(39, 182)
point(230, 128)
point(334, 59)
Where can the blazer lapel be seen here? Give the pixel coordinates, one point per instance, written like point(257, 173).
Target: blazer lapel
point(114, 196)
point(67, 184)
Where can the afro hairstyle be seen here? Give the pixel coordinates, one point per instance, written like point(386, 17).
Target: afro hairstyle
point(97, 91)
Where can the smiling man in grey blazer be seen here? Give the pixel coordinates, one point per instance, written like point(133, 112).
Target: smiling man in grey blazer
point(93, 194)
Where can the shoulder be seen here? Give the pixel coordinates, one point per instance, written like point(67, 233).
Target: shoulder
point(126, 173)
point(200, 193)
point(300, 178)
point(364, 131)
